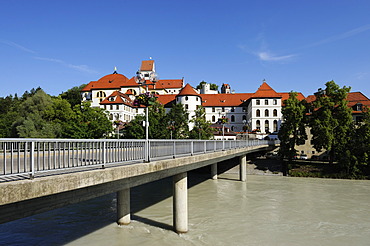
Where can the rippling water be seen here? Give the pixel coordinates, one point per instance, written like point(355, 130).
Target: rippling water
point(266, 210)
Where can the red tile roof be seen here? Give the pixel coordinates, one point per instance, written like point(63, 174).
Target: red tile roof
point(119, 98)
point(171, 83)
point(166, 100)
point(234, 100)
point(285, 95)
point(111, 81)
point(188, 91)
point(265, 91)
point(147, 65)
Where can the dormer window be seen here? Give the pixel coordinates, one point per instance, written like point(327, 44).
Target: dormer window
point(358, 107)
point(111, 99)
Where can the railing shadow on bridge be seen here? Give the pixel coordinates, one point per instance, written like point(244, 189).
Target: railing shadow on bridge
point(29, 158)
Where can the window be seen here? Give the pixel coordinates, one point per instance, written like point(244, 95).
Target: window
point(232, 109)
point(117, 107)
point(266, 113)
point(267, 126)
point(258, 113)
point(111, 116)
point(244, 117)
point(275, 102)
point(258, 102)
point(101, 94)
point(232, 118)
point(111, 107)
point(266, 102)
point(244, 109)
point(213, 109)
point(223, 109)
point(213, 118)
point(275, 112)
point(275, 126)
point(186, 106)
point(258, 125)
point(232, 128)
point(186, 98)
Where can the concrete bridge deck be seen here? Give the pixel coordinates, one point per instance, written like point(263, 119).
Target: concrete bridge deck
point(23, 198)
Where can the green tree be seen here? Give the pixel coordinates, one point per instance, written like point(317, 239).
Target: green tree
point(157, 124)
point(73, 95)
point(211, 86)
point(8, 114)
point(202, 128)
point(33, 123)
point(331, 120)
point(293, 129)
point(180, 117)
point(356, 159)
point(135, 129)
point(88, 122)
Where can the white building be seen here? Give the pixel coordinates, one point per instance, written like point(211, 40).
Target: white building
point(258, 112)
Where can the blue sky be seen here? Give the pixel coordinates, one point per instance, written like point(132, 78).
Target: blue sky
point(295, 45)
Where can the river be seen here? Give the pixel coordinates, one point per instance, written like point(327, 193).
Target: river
point(265, 210)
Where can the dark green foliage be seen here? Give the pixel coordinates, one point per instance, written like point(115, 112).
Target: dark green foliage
point(202, 128)
point(73, 95)
point(211, 86)
point(293, 128)
point(331, 120)
point(88, 122)
point(38, 115)
point(179, 117)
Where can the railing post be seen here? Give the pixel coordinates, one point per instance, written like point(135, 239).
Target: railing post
point(174, 149)
point(192, 147)
point(32, 159)
point(104, 150)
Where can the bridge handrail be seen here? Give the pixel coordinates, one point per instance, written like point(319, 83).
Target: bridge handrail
point(26, 156)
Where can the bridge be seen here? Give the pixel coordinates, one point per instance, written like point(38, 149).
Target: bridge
point(37, 175)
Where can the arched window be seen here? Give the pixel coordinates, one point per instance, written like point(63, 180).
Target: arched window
point(275, 112)
point(111, 116)
point(266, 113)
point(186, 98)
point(267, 126)
point(232, 128)
point(100, 94)
point(275, 126)
point(258, 113)
point(213, 118)
point(258, 125)
point(232, 118)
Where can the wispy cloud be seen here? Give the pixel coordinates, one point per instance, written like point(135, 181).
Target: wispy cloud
point(17, 46)
point(266, 56)
point(344, 35)
point(81, 68)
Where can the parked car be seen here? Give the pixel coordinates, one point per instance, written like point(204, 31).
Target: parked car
point(303, 157)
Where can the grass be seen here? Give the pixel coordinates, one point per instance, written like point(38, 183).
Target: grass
point(298, 168)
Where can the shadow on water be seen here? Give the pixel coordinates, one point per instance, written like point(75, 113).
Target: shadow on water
point(64, 225)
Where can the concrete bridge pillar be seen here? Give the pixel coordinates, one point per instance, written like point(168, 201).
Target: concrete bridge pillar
point(180, 202)
point(214, 171)
point(123, 207)
point(243, 168)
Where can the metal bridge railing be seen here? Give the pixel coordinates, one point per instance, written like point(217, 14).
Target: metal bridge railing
point(31, 156)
